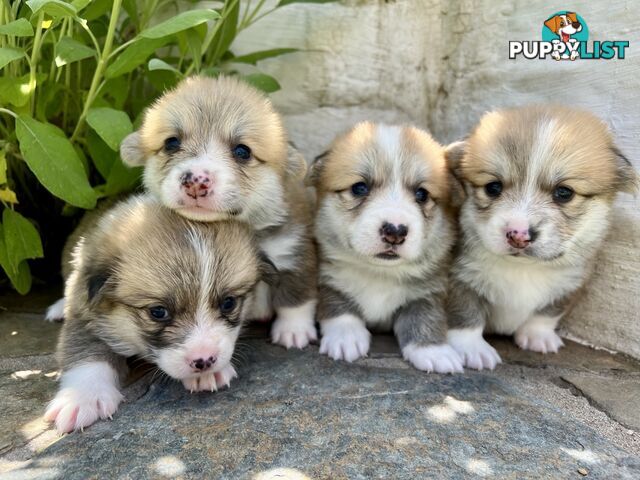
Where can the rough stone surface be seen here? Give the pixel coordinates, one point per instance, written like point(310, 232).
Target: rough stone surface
point(298, 413)
point(442, 64)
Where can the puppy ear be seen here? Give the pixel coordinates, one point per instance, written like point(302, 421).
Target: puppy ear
point(315, 169)
point(572, 16)
point(131, 150)
point(296, 164)
point(453, 154)
point(553, 24)
point(627, 178)
point(96, 279)
point(268, 270)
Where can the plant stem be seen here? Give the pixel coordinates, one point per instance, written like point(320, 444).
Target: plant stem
point(8, 112)
point(35, 51)
point(103, 59)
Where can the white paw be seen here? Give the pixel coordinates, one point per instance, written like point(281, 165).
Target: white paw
point(538, 338)
point(210, 381)
point(474, 350)
point(345, 338)
point(88, 393)
point(295, 326)
point(55, 312)
point(555, 55)
point(433, 358)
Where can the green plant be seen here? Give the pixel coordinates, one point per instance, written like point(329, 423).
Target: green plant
point(75, 77)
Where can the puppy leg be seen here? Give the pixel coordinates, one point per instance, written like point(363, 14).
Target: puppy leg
point(420, 329)
point(467, 315)
point(344, 334)
point(55, 312)
point(294, 300)
point(538, 334)
point(89, 385)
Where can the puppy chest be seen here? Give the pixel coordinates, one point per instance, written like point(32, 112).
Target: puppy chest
point(377, 299)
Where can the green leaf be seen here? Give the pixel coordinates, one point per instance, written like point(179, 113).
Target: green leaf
point(80, 4)
point(112, 125)
point(19, 275)
point(18, 28)
point(16, 90)
point(20, 237)
point(226, 33)
point(69, 50)
point(9, 54)
point(51, 157)
point(262, 82)
point(157, 64)
point(55, 8)
point(122, 178)
point(96, 9)
point(101, 154)
point(133, 56)
point(3, 167)
point(118, 89)
point(282, 3)
point(255, 57)
point(180, 22)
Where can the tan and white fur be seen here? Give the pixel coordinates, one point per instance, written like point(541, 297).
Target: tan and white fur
point(216, 149)
point(146, 283)
point(540, 182)
point(384, 233)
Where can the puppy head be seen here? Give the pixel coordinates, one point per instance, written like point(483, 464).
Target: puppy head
point(540, 181)
point(381, 193)
point(170, 291)
point(212, 149)
point(567, 23)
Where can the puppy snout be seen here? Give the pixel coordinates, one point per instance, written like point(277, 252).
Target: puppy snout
point(393, 234)
point(576, 25)
point(196, 184)
point(521, 238)
point(202, 364)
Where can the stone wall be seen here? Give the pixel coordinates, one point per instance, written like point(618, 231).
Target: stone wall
point(441, 65)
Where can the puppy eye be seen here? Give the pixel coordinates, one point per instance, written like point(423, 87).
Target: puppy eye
point(422, 195)
point(360, 189)
point(241, 152)
point(228, 305)
point(159, 313)
point(172, 144)
point(493, 189)
point(563, 194)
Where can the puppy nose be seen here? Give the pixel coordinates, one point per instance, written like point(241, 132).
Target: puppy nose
point(393, 234)
point(202, 364)
point(521, 238)
point(195, 185)
point(575, 25)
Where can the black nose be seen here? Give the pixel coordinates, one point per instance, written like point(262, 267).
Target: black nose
point(393, 234)
point(575, 25)
point(202, 364)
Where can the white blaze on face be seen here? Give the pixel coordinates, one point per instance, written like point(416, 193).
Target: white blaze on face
point(210, 335)
point(392, 203)
point(216, 164)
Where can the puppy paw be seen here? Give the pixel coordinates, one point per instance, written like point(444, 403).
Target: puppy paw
point(433, 358)
point(88, 392)
point(295, 326)
point(55, 312)
point(538, 338)
point(474, 351)
point(345, 338)
point(75, 408)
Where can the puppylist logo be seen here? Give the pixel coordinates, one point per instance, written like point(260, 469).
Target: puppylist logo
point(565, 36)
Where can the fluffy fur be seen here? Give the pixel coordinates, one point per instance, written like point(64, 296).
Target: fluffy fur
point(215, 149)
point(384, 232)
point(147, 283)
point(540, 182)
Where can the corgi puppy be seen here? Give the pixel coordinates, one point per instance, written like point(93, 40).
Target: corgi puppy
point(384, 233)
point(216, 149)
point(540, 182)
point(148, 283)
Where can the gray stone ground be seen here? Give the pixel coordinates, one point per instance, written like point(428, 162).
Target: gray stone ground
point(299, 415)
